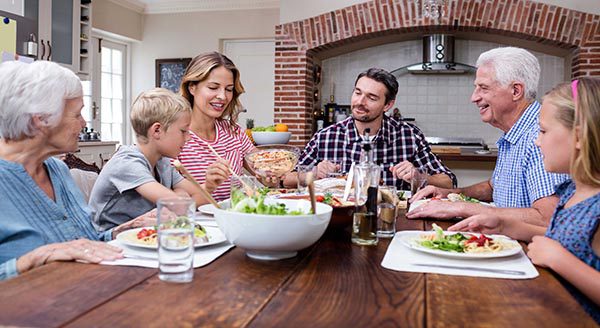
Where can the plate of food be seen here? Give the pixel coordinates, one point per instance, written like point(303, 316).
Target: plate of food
point(452, 198)
point(326, 198)
point(148, 238)
point(461, 245)
point(207, 209)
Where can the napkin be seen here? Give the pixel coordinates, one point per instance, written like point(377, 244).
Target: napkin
point(202, 255)
point(399, 257)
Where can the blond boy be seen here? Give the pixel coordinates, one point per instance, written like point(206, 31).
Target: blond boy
point(137, 176)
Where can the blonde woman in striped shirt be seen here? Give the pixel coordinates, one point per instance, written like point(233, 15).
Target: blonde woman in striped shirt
point(211, 84)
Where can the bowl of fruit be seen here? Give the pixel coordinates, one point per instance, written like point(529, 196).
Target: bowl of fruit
point(270, 135)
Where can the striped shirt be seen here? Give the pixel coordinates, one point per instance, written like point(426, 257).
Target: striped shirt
point(196, 156)
point(519, 178)
point(395, 142)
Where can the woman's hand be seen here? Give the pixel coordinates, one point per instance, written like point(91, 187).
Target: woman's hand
point(83, 250)
point(545, 252)
point(216, 173)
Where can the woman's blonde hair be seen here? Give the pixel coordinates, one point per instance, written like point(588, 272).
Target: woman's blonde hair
point(583, 117)
point(199, 69)
point(156, 105)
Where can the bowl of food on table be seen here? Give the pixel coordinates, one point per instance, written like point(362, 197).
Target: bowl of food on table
point(269, 228)
point(274, 134)
point(272, 160)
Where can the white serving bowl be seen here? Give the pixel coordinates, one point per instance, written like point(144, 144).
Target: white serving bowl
point(274, 237)
point(271, 138)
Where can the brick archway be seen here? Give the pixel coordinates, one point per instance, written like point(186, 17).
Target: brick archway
point(298, 43)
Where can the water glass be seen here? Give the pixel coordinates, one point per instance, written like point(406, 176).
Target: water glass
point(386, 212)
point(303, 171)
point(175, 228)
point(243, 185)
point(418, 180)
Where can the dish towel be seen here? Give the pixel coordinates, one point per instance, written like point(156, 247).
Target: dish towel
point(149, 257)
point(400, 257)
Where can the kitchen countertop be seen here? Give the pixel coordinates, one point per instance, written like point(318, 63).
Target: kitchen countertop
point(468, 154)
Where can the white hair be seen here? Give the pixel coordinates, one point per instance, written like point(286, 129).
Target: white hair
point(513, 64)
point(40, 88)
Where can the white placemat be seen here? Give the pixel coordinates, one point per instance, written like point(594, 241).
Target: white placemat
point(401, 258)
point(202, 255)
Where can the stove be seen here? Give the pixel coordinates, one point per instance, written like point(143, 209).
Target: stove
point(469, 143)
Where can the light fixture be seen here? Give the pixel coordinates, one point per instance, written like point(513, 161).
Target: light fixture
point(433, 9)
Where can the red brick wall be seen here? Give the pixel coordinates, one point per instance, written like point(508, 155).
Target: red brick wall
point(297, 43)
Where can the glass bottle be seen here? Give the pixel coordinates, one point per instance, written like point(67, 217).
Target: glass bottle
point(366, 182)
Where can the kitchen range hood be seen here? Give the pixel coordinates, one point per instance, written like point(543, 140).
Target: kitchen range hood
point(438, 58)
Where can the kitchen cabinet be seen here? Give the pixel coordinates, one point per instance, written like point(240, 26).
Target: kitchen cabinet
point(96, 152)
point(64, 28)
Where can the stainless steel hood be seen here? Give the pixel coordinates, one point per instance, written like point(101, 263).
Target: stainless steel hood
point(438, 58)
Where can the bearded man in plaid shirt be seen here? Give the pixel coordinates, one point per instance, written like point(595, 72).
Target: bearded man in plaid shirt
point(398, 146)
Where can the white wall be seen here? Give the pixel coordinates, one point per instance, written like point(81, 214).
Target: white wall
point(12, 6)
point(293, 10)
point(439, 103)
point(188, 34)
point(110, 17)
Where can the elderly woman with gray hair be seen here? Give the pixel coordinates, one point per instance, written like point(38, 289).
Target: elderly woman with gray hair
point(44, 217)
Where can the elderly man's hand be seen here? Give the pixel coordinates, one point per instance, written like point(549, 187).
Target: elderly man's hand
point(438, 209)
point(429, 192)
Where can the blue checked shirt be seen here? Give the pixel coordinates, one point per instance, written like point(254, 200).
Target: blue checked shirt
point(519, 178)
point(395, 142)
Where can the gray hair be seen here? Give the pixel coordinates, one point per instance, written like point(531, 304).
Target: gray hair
point(513, 64)
point(40, 88)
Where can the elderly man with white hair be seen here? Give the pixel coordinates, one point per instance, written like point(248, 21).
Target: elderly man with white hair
point(44, 217)
point(505, 89)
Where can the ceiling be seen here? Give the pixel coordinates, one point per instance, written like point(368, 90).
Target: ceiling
point(180, 6)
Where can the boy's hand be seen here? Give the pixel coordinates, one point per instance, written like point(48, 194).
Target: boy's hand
point(216, 173)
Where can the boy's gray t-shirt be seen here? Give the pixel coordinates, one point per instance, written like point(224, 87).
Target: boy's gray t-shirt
point(114, 199)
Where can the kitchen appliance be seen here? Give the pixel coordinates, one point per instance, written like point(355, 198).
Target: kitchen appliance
point(468, 143)
point(438, 58)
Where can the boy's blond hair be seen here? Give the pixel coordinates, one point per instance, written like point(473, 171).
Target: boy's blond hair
point(157, 105)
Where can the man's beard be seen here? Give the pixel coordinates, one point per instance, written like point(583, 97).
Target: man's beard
point(364, 118)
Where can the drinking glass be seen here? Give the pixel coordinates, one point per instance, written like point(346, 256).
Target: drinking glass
point(386, 212)
point(418, 180)
point(240, 190)
point(175, 227)
point(303, 171)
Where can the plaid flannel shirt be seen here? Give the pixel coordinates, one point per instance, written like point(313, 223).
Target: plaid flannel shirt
point(395, 142)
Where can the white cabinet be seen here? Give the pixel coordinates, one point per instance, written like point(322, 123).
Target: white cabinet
point(98, 152)
point(64, 28)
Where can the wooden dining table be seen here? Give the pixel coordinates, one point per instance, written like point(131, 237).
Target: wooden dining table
point(330, 284)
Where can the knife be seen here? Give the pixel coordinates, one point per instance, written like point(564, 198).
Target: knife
point(348, 183)
point(502, 271)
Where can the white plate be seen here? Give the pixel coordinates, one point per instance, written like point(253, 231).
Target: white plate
point(129, 238)
point(207, 209)
point(410, 240)
point(421, 202)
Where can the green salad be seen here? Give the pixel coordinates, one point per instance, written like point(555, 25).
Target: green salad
point(450, 243)
point(242, 203)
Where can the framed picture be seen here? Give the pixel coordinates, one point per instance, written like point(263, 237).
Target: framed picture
point(170, 71)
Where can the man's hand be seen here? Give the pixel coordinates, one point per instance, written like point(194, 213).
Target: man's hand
point(403, 170)
point(325, 167)
point(429, 192)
